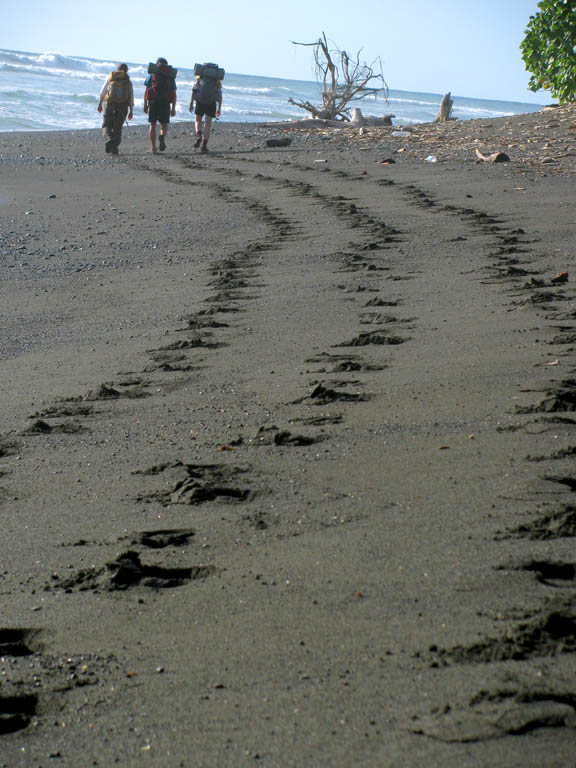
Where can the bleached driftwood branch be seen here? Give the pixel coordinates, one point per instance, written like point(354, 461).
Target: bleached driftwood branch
point(494, 157)
point(309, 122)
point(358, 121)
point(343, 79)
point(445, 109)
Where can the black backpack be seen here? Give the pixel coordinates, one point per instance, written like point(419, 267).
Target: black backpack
point(161, 86)
point(206, 90)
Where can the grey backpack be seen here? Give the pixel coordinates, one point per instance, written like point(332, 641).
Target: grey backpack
point(209, 70)
point(206, 90)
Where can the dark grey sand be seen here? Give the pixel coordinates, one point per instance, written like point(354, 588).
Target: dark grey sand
point(287, 450)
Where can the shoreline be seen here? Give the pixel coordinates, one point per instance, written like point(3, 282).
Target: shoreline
point(286, 448)
point(545, 139)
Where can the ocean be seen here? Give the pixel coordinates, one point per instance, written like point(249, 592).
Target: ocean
point(49, 91)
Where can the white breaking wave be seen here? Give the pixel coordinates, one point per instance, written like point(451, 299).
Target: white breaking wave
point(419, 103)
point(479, 112)
point(249, 91)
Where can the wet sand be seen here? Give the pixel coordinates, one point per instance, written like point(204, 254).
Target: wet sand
point(287, 449)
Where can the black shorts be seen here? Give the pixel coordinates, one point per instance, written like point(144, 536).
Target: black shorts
point(205, 109)
point(159, 112)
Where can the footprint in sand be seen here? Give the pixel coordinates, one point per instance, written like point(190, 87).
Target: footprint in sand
point(8, 448)
point(548, 572)
point(20, 642)
point(557, 524)
point(127, 571)
point(373, 337)
point(321, 395)
point(40, 427)
point(163, 537)
point(196, 484)
point(16, 712)
point(282, 437)
point(499, 713)
point(546, 634)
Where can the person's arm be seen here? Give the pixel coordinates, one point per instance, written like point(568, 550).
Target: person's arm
point(219, 99)
point(131, 102)
point(146, 100)
point(103, 93)
point(173, 110)
point(192, 98)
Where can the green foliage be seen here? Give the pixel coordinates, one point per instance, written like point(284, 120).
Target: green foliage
point(549, 49)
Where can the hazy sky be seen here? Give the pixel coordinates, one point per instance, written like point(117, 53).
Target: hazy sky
point(464, 46)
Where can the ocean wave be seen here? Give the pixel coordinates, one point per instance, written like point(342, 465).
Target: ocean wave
point(480, 112)
point(256, 112)
point(248, 91)
point(18, 59)
point(56, 63)
point(417, 102)
point(5, 94)
point(83, 98)
point(48, 97)
point(43, 71)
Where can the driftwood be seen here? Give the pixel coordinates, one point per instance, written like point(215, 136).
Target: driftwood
point(495, 157)
point(317, 112)
point(360, 120)
point(445, 109)
point(284, 142)
point(343, 78)
point(309, 122)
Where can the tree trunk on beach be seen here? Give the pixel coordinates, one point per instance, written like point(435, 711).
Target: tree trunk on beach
point(358, 121)
point(445, 109)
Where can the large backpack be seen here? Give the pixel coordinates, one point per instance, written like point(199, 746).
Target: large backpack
point(118, 88)
point(161, 84)
point(209, 70)
point(206, 90)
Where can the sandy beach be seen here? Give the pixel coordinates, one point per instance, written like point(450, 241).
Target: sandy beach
point(287, 449)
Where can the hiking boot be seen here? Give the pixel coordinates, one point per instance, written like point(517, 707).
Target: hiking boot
point(198, 141)
point(161, 143)
point(108, 146)
point(114, 150)
point(204, 148)
point(153, 150)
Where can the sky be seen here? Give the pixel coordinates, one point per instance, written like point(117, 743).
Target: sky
point(468, 47)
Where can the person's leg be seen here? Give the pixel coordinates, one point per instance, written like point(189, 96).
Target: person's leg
point(152, 135)
point(207, 124)
point(198, 130)
point(120, 112)
point(163, 132)
point(107, 127)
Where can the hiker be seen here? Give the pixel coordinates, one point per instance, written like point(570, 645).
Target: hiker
point(118, 93)
point(160, 100)
point(207, 93)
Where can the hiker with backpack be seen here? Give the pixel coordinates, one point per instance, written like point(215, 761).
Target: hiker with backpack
point(160, 100)
point(207, 94)
point(118, 93)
